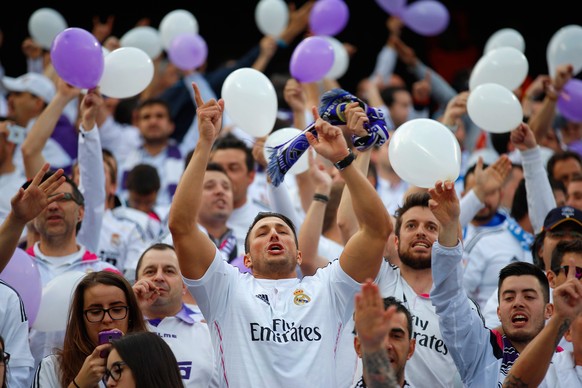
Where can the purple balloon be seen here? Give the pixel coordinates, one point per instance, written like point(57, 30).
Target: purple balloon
point(426, 17)
point(78, 58)
point(187, 51)
point(22, 274)
point(393, 7)
point(570, 100)
point(312, 59)
point(328, 17)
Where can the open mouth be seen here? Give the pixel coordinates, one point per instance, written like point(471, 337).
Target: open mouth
point(275, 248)
point(519, 320)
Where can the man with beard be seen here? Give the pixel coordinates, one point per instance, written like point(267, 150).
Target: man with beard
point(158, 149)
point(483, 356)
point(492, 240)
point(416, 229)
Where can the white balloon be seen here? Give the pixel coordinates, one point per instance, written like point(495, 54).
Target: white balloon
point(341, 59)
point(175, 23)
point(506, 66)
point(281, 136)
point(565, 47)
point(55, 301)
point(494, 108)
point(250, 101)
point(505, 37)
point(44, 25)
point(271, 17)
point(127, 72)
point(424, 151)
point(143, 37)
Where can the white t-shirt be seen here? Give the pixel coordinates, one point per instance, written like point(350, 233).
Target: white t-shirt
point(274, 333)
point(563, 373)
point(14, 330)
point(190, 342)
point(121, 243)
point(431, 365)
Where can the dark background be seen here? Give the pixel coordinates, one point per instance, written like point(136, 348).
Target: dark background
point(229, 29)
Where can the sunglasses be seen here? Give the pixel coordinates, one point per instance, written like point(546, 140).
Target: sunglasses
point(578, 271)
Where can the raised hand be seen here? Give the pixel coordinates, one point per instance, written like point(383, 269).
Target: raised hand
point(492, 178)
point(371, 319)
point(523, 137)
point(330, 141)
point(209, 115)
point(444, 204)
point(89, 108)
point(356, 118)
point(30, 202)
point(146, 292)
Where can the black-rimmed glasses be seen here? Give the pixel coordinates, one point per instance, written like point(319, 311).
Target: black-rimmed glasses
point(68, 197)
point(4, 358)
point(116, 313)
point(114, 372)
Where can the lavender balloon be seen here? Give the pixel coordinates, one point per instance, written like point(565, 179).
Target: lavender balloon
point(328, 17)
point(393, 7)
point(312, 59)
point(426, 17)
point(570, 100)
point(187, 51)
point(78, 58)
point(22, 274)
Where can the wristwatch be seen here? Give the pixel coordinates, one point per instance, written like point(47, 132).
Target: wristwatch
point(345, 161)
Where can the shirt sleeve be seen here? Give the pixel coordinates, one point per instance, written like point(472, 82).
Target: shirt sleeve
point(462, 328)
point(92, 185)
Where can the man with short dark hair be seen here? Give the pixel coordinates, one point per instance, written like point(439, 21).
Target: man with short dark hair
point(271, 328)
point(384, 344)
point(483, 356)
point(158, 149)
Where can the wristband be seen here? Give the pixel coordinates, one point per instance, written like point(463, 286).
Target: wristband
point(321, 198)
point(340, 165)
point(281, 43)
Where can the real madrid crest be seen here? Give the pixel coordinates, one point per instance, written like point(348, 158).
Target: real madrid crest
point(300, 297)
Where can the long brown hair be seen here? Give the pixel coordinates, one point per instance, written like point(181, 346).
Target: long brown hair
point(77, 345)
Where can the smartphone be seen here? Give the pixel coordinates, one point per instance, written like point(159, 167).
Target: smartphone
point(106, 336)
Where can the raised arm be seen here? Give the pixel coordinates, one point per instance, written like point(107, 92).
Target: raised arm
point(362, 255)
point(373, 325)
point(44, 126)
point(91, 172)
point(532, 364)
point(25, 206)
point(312, 226)
point(541, 121)
point(194, 248)
point(540, 196)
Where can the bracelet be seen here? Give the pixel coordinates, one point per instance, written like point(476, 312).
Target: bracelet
point(281, 43)
point(321, 198)
point(345, 161)
point(75, 383)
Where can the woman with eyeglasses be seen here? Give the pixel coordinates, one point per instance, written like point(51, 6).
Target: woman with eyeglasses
point(142, 360)
point(102, 301)
point(4, 358)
